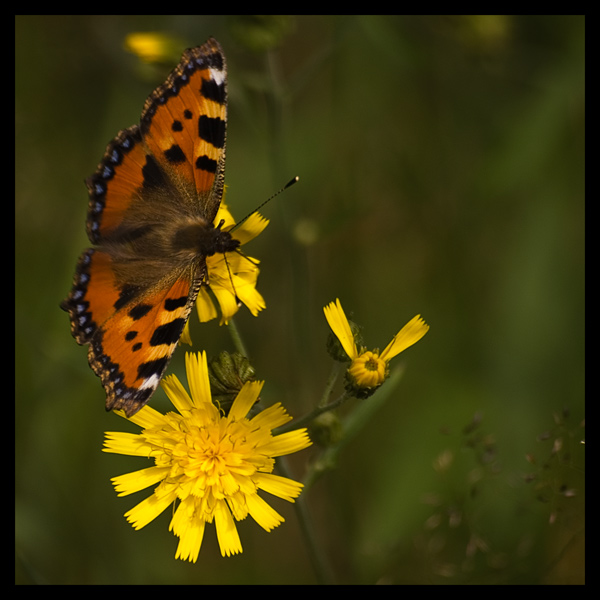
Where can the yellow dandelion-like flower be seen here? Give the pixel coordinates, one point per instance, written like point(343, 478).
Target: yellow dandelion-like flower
point(210, 464)
point(232, 277)
point(369, 369)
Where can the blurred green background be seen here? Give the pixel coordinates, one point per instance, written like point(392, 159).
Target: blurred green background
point(441, 164)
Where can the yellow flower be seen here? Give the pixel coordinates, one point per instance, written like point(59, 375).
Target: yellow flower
point(211, 465)
point(154, 47)
point(369, 369)
point(232, 267)
point(223, 270)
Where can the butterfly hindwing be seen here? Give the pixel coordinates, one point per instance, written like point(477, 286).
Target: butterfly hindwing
point(132, 332)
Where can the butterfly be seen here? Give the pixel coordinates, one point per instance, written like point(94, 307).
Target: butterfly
point(152, 203)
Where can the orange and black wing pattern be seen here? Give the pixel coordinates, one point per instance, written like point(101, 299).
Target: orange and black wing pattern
point(133, 291)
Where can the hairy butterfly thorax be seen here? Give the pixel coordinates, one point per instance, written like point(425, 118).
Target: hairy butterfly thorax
point(202, 239)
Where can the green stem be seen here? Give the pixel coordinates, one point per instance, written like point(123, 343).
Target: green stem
point(333, 376)
point(323, 406)
point(352, 425)
point(313, 414)
point(318, 559)
point(237, 338)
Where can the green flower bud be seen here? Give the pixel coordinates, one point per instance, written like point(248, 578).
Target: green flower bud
point(227, 374)
point(326, 429)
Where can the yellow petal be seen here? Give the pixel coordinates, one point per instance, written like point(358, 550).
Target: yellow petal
point(131, 444)
point(279, 486)
point(286, 443)
point(223, 214)
point(190, 530)
point(197, 375)
point(410, 334)
point(253, 226)
point(147, 510)
point(139, 480)
point(245, 400)
point(186, 338)
point(249, 295)
point(266, 516)
point(145, 417)
point(191, 540)
point(227, 302)
point(271, 417)
point(176, 393)
point(334, 313)
point(205, 306)
point(227, 534)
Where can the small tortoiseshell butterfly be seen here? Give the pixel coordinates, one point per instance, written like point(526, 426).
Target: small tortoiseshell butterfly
point(153, 200)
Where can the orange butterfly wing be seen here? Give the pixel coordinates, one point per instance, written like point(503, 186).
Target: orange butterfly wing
point(132, 294)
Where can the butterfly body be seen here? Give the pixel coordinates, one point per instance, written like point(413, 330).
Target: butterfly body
point(152, 204)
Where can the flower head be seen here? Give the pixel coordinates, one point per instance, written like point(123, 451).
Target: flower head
point(153, 47)
point(232, 276)
point(369, 369)
point(211, 465)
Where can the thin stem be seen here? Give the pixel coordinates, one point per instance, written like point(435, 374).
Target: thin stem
point(323, 406)
point(237, 338)
point(352, 425)
point(318, 559)
point(313, 414)
point(333, 376)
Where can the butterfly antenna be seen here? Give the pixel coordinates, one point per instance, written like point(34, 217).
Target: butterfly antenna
point(237, 300)
point(285, 187)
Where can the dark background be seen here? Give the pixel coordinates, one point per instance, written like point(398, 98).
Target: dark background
point(441, 164)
